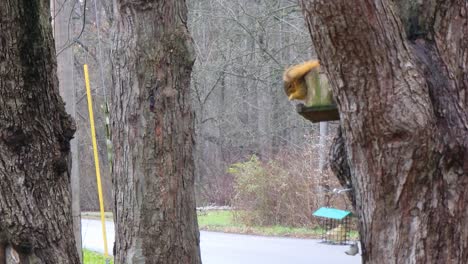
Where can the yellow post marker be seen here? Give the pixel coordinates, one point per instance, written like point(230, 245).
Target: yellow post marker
point(96, 157)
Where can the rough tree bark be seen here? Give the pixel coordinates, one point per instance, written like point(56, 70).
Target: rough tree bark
point(152, 125)
point(399, 75)
point(35, 131)
point(338, 160)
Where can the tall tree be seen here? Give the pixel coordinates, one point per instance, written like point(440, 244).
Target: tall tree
point(61, 10)
point(152, 125)
point(399, 75)
point(35, 131)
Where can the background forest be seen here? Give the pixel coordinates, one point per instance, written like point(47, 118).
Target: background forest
point(242, 48)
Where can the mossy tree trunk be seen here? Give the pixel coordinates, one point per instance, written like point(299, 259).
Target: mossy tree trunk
point(35, 131)
point(398, 70)
point(152, 130)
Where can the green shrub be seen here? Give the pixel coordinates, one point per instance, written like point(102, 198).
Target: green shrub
point(284, 190)
point(266, 194)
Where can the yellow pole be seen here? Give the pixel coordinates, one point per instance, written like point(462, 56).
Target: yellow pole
point(96, 157)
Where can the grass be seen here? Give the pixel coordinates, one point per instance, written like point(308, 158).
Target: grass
point(97, 215)
point(91, 257)
point(216, 218)
point(223, 221)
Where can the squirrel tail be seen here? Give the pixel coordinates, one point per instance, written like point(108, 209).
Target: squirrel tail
point(299, 70)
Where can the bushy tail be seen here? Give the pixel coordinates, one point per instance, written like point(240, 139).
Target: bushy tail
point(298, 71)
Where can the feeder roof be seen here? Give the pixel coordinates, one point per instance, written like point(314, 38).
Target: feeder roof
point(331, 213)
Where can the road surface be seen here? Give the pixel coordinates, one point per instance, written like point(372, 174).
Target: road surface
point(222, 248)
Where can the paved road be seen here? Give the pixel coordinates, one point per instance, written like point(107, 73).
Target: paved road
point(221, 248)
point(91, 235)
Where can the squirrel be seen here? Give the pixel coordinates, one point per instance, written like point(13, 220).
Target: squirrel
point(294, 82)
point(353, 249)
point(11, 253)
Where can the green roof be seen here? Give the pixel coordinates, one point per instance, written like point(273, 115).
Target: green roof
point(331, 213)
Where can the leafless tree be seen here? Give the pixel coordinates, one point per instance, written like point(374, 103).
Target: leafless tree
point(399, 75)
point(35, 133)
point(153, 133)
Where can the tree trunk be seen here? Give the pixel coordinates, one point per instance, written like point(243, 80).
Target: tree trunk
point(61, 16)
point(322, 143)
point(399, 75)
point(152, 130)
point(35, 132)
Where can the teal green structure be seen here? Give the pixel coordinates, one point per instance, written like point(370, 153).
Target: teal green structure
point(335, 224)
point(331, 213)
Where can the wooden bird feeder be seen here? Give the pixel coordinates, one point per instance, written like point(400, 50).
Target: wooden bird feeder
point(318, 106)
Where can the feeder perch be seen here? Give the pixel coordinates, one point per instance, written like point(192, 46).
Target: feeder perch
point(318, 113)
point(335, 225)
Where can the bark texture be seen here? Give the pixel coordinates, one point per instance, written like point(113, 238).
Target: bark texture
point(339, 164)
point(35, 131)
point(152, 124)
point(399, 75)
